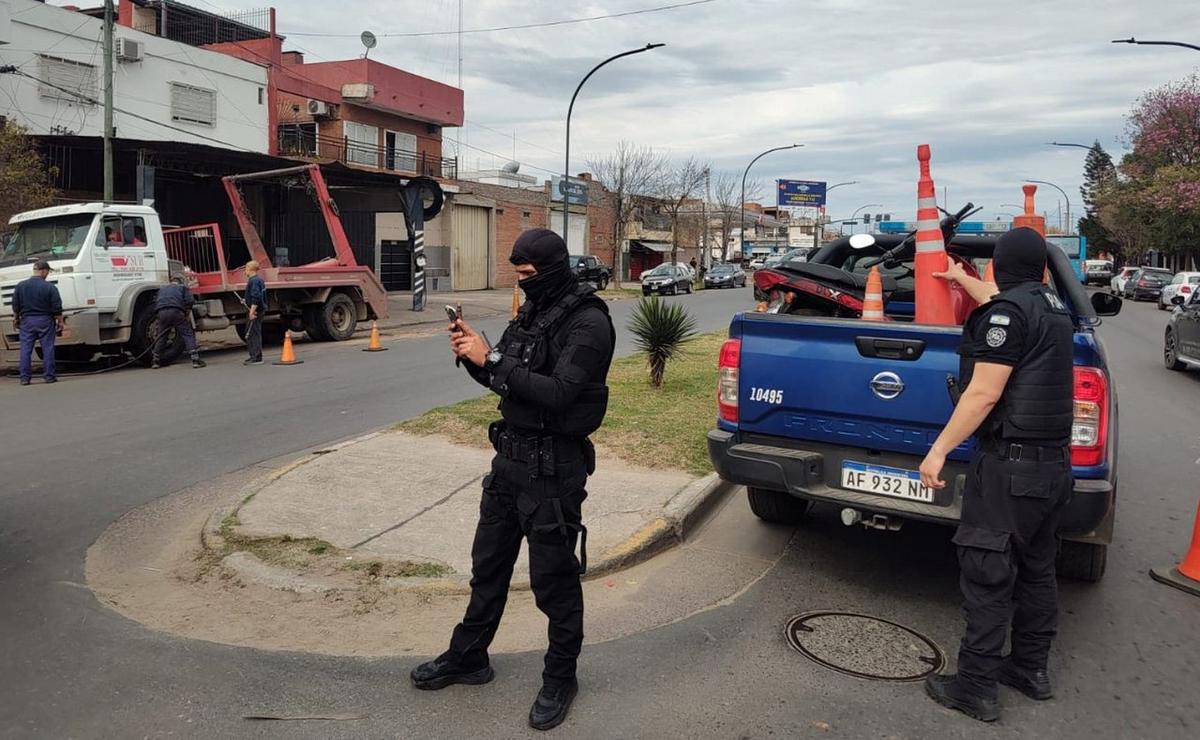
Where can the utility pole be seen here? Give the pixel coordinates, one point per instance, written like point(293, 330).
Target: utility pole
point(706, 258)
point(458, 131)
point(108, 101)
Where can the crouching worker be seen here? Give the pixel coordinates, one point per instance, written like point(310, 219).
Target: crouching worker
point(174, 314)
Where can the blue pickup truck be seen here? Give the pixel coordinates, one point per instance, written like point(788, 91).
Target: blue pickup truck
point(822, 407)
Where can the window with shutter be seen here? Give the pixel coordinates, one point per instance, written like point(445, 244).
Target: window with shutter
point(193, 104)
point(362, 144)
point(63, 79)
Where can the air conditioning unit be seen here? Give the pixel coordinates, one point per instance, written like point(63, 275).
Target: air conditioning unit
point(130, 50)
point(320, 109)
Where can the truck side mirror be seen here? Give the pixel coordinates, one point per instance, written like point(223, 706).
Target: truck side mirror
point(1106, 304)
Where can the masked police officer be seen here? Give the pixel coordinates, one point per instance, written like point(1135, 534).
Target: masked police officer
point(1016, 369)
point(174, 308)
point(550, 370)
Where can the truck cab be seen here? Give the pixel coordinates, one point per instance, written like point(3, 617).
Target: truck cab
point(103, 258)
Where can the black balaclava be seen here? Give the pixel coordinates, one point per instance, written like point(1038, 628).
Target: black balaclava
point(546, 251)
point(1019, 257)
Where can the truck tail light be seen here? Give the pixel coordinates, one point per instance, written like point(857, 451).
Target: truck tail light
point(727, 382)
point(1185, 289)
point(1089, 432)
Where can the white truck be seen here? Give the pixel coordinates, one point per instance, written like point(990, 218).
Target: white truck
point(109, 260)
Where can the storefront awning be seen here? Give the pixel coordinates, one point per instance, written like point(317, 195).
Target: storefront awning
point(647, 245)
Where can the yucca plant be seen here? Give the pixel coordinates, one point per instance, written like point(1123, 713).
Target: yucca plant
point(661, 329)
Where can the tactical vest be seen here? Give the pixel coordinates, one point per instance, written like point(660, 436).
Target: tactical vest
point(536, 341)
point(1038, 404)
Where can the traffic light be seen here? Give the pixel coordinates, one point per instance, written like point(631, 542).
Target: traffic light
point(867, 219)
point(887, 217)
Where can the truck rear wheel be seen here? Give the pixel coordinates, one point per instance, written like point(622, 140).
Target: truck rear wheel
point(338, 318)
point(314, 324)
point(776, 506)
point(1082, 561)
point(143, 334)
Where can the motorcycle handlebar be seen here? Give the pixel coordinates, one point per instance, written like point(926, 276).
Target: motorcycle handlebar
point(948, 224)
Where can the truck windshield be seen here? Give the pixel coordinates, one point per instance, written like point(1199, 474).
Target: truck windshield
point(56, 238)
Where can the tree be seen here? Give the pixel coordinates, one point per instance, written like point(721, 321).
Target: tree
point(674, 186)
point(628, 172)
point(727, 202)
point(25, 180)
point(1099, 174)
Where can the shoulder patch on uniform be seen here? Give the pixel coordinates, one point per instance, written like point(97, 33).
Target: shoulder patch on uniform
point(1000, 319)
point(996, 337)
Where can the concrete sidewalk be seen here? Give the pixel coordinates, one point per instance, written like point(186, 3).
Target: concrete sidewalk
point(392, 496)
point(476, 305)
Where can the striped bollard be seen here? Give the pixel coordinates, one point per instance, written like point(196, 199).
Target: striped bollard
point(933, 294)
point(418, 282)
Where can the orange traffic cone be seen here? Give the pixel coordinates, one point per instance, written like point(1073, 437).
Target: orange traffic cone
point(375, 346)
point(1186, 576)
point(933, 294)
point(288, 357)
point(989, 274)
point(1030, 218)
point(516, 300)
point(873, 300)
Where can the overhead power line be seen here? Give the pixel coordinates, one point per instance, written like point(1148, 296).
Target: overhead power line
point(545, 24)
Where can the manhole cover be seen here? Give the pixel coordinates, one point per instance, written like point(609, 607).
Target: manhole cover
point(864, 646)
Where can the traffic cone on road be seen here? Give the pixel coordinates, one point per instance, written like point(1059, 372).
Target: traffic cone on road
point(1186, 576)
point(873, 300)
point(989, 274)
point(516, 300)
point(374, 345)
point(288, 356)
point(933, 294)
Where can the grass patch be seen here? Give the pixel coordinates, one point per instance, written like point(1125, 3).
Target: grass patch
point(309, 553)
point(623, 292)
point(656, 428)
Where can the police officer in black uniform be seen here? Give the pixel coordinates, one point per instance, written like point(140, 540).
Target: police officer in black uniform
point(550, 370)
point(1016, 382)
point(174, 306)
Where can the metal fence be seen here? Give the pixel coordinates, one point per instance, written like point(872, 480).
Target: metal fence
point(303, 143)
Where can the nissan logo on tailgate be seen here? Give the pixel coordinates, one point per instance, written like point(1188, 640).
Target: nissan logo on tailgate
point(887, 385)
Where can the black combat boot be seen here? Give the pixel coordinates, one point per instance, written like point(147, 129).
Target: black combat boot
point(1032, 683)
point(443, 671)
point(950, 692)
point(154, 364)
point(197, 362)
point(552, 704)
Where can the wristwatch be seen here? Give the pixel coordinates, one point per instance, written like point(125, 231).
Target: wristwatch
point(493, 359)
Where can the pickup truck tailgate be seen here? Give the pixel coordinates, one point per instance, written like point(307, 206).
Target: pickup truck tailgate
point(864, 384)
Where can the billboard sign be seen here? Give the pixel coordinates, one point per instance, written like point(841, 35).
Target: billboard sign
point(801, 194)
point(575, 190)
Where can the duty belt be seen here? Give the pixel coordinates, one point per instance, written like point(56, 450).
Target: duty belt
point(541, 454)
point(1017, 451)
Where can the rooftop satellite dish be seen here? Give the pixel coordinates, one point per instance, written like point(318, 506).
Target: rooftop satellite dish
point(369, 41)
point(511, 167)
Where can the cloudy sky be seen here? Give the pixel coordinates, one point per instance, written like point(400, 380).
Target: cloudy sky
point(859, 82)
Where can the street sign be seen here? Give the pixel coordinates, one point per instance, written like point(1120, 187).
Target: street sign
point(576, 190)
point(801, 193)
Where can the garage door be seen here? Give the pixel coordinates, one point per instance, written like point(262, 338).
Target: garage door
point(470, 247)
point(577, 237)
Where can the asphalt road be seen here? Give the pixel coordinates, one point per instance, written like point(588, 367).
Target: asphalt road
point(79, 455)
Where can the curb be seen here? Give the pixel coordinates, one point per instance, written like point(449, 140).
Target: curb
point(681, 515)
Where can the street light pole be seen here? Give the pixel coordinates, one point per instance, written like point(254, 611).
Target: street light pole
point(108, 101)
point(742, 203)
point(1059, 143)
point(819, 231)
point(1132, 40)
point(567, 164)
point(1064, 195)
point(859, 209)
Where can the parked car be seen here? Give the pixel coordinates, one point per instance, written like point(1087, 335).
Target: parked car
point(1185, 284)
point(591, 270)
point(667, 279)
point(1116, 286)
point(756, 263)
point(725, 275)
point(1147, 283)
point(1181, 341)
point(1097, 271)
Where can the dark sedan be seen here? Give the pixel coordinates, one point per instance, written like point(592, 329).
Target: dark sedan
point(1147, 283)
point(725, 275)
point(667, 280)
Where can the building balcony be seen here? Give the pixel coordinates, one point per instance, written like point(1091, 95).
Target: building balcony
point(298, 141)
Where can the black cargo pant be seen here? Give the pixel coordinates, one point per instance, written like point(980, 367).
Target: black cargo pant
point(174, 318)
point(1006, 552)
point(544, 509)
